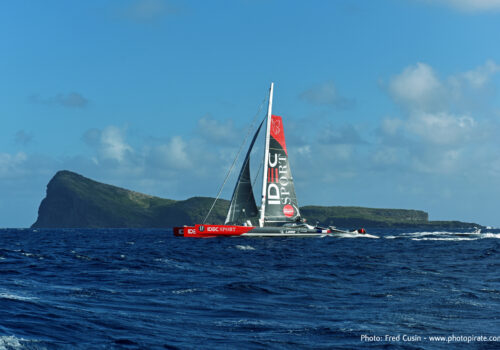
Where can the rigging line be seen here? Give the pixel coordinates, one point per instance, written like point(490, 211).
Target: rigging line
point(236, 158)
point(257, 174)
point(247, 160)
point(255, 179)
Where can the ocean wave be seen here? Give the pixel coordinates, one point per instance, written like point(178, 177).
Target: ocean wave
point(183, 294)
point(9, 342)
point(445, 239)
point(245, 247)
point(10, 296)
point(445, 236)
point(425, 233)
point(184, 291)
point(353, 235)
point(490, 235)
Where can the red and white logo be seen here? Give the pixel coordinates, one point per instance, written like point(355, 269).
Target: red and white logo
point(276, 126)
point(288, 210)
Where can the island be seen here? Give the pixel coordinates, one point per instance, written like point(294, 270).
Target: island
point(74, 201)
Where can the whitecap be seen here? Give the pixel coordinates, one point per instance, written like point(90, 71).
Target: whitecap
point(490, 235)
point(15, 297)
point(445, 239)
point(245, 247)
point(184, 291)
point(83, 257)
point(10, 342)
point(426, 233)
point(354, 235)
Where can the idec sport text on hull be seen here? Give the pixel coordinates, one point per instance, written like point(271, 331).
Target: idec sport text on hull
point(278, 181)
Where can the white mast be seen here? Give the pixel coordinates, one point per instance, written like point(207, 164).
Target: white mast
point(266, 157)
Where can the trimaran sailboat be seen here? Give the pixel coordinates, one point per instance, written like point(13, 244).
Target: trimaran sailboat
point(279, 214)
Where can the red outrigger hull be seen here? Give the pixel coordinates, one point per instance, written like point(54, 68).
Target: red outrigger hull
point(208, 231)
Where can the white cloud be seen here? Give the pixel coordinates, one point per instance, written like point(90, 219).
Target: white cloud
point(10, 163)
point(445, 124)
point(477, 78)
point(442, 128)
point(417, 86)
point(174, 154)
point(113, 144)
point(109, 143)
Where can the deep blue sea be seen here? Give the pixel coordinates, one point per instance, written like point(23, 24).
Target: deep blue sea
point(145, 289)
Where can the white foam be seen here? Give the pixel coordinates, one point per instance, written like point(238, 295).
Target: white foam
point(445, 239)
point(354, 235)
point(245, 247)
point(426, 233)
point(184, 291)
point(15, 297)
point(446, 236)
point(8, 342)
point(490, 235)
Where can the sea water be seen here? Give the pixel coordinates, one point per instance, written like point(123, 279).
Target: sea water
point(145, 289)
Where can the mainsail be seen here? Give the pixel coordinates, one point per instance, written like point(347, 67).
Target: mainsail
point(243, 206)
point(279, 196)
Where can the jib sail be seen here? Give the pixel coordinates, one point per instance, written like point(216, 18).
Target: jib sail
point(243, 206)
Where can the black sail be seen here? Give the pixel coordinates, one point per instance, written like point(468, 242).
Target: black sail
point(243, 206)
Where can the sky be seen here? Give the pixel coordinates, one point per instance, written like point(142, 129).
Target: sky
point(386, 104)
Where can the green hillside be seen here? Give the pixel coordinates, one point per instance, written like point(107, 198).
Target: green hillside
point(76, 201)
point(342, 216)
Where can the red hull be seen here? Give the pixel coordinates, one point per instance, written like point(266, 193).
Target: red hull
point(208, 231)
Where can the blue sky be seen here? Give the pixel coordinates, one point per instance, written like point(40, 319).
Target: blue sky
point(388, 104)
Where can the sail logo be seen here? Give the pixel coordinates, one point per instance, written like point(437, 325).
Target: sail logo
point(278, 181)
point(276, 126)
point(288, 210)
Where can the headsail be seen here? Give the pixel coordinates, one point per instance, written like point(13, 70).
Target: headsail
point(243, 206)
point(280, 199)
